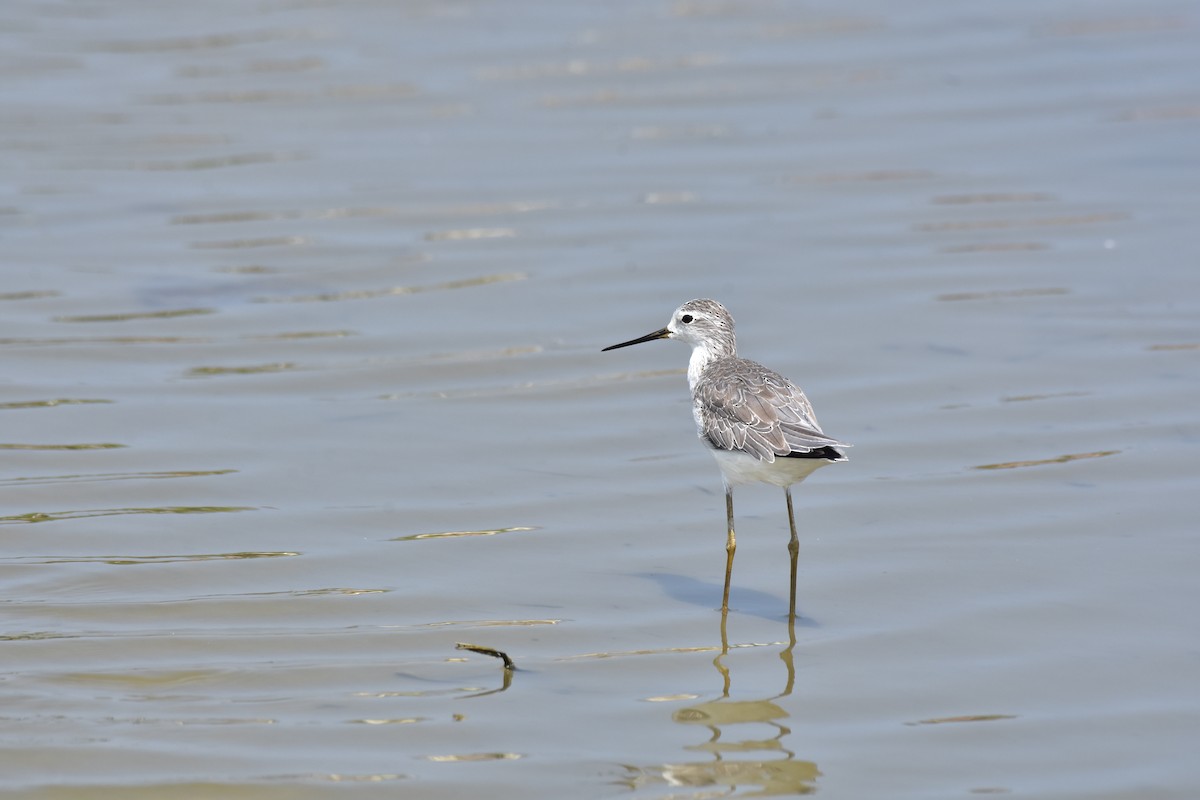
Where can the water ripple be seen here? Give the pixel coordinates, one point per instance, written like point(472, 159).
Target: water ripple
point(1042, 461)
point(393, 291)
point(110, 476)
point(56, 516)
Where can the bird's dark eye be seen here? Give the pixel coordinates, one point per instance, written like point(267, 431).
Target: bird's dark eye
point(686, 319)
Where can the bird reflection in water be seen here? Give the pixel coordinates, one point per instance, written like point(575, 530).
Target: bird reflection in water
point(776, 770)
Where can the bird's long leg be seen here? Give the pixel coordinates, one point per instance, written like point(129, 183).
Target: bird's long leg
point(730, 547)
point(794, 550)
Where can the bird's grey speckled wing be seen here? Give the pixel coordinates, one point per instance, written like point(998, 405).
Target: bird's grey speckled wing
point(742, 405)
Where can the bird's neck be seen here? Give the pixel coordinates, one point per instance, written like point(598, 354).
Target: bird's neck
point(704, 354)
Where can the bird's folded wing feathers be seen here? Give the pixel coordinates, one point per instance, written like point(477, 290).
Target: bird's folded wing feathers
point(745, 406)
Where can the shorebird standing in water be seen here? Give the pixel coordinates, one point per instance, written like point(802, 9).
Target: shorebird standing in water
point(757, 424)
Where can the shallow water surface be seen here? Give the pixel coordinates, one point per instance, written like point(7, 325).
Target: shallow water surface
point(303, 305)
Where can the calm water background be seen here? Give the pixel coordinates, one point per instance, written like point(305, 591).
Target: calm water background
point(302, 309)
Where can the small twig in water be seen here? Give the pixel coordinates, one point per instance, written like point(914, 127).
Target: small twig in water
point(487, 651)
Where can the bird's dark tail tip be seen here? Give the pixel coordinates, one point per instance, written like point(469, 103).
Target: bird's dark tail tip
point(827, 453)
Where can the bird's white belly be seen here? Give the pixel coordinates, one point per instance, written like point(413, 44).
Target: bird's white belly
point(739, 468)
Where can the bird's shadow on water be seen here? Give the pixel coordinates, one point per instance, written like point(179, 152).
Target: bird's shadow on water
point(708, 595)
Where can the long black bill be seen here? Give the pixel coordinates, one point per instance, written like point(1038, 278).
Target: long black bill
point(662, 333)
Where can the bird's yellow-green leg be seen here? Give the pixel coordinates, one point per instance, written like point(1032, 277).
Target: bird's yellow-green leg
point(730, 547)
point(794, 550)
